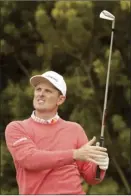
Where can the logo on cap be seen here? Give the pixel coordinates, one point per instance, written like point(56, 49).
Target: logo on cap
point(52, 78)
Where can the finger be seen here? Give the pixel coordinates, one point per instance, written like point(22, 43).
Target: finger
point(103, 168)
point(95, 161)
point(92, 141)
point(97, 143)
point(99, 148)
point(103, 159)
point(96, 152)
point(97, 157)
point(98, 163)
point(102, 162)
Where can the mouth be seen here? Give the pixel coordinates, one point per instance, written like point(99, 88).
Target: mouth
point(40, 101)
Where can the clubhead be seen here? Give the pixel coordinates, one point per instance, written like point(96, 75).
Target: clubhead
point(107, 15)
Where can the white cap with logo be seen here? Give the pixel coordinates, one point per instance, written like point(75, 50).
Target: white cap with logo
point(56, 79)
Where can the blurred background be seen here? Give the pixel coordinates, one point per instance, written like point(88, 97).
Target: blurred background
point(69, 38)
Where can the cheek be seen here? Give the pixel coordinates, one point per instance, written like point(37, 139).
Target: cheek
point(52, 100)
point(34, 101)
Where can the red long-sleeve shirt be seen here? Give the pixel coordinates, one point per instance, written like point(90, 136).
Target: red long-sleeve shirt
point(43, 157)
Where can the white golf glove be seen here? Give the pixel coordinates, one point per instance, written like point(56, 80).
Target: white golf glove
point(102, 162)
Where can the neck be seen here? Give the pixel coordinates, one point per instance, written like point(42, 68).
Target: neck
point(45, 115)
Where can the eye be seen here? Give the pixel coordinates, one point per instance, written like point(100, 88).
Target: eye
point(38, 89)
point(48, 90)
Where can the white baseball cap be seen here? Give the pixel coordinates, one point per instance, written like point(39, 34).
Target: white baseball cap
point(54, 78)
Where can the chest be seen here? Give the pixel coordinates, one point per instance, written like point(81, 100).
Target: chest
point(50, 139)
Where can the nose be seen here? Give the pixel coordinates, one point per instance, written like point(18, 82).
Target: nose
point(42, 92)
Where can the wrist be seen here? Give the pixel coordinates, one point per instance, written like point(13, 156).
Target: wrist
point(75, 156)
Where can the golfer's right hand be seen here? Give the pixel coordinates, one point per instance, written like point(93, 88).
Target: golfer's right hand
point(91, 153)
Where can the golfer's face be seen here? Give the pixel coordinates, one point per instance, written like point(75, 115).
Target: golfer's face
point(46, 97)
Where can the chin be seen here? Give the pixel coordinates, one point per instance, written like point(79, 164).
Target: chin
point(44, 109)
point(41, 109)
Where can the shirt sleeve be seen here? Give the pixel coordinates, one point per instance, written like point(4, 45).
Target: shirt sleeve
point(87, 169)
point(25, 152)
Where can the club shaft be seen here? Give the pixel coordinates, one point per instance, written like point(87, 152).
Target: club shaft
point(107, 81)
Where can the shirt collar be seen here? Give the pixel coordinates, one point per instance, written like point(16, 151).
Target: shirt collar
point(42, 121)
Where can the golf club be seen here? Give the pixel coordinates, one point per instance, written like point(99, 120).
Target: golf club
point(107, 16)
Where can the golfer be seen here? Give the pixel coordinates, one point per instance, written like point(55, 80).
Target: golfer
point(50, 154)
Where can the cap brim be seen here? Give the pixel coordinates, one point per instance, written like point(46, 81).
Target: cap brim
point(35, 80)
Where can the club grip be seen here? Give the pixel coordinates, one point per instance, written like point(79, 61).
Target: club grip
point(98, 170)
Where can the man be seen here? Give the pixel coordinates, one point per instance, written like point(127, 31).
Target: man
point(49, 153)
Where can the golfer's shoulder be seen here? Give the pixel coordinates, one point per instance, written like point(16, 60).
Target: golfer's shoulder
point(74, 125)
point(16, 125)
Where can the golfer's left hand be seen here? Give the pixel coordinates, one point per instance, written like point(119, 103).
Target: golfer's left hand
point(103, 162)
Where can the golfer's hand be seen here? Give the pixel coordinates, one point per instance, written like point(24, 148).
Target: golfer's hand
point(91, 153)
point(102, 162)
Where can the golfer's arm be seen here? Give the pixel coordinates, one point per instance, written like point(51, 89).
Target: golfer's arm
point(88, 172)
point(24, 151)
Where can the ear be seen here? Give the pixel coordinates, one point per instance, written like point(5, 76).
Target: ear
point(61, 100)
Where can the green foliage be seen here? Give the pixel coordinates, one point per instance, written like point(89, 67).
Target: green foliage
point(8, 184)
point(107, 186)
point(125, 5)
point(68, 37)
point(18, 100)
point(118, 123)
